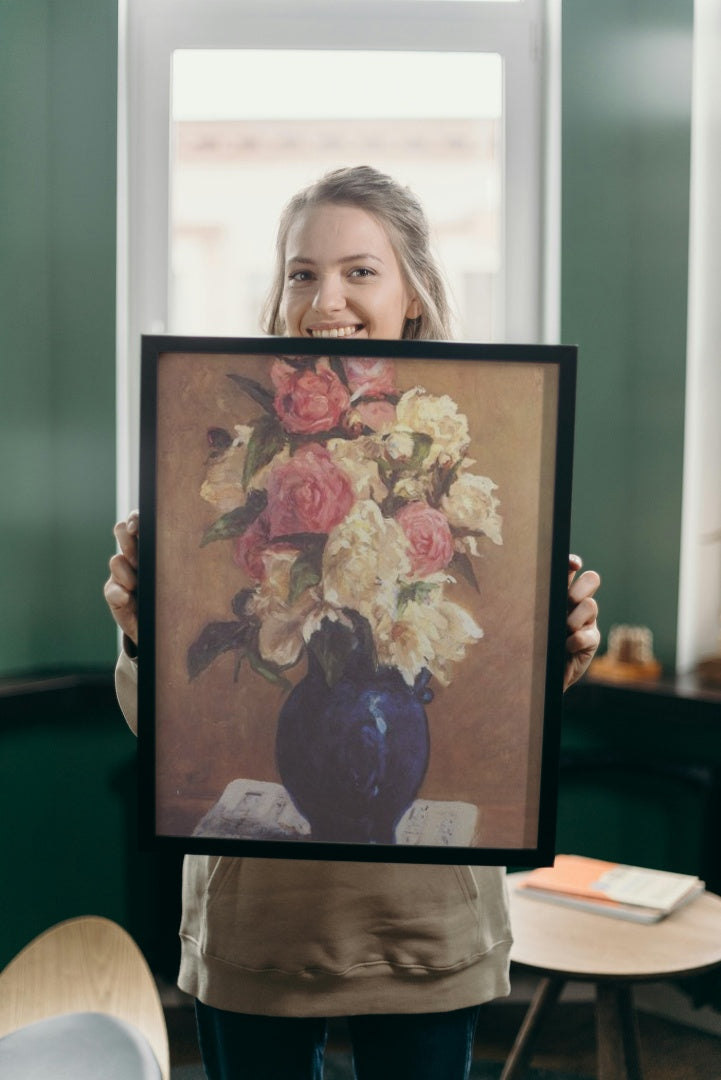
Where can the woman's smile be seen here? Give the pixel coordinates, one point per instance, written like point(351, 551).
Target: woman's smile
point(334, 331)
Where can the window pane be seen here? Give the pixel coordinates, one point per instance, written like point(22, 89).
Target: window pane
point(252, 127)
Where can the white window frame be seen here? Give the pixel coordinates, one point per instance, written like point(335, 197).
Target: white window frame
point(699, 596)
point(526, 34)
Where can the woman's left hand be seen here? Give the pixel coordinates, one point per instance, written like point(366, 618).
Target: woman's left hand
point(582, 634)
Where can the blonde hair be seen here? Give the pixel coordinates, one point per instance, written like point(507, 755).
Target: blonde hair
point(403, 217)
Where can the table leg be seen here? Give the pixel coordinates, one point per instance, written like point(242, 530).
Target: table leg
point(545, 997)
point(617, 1033)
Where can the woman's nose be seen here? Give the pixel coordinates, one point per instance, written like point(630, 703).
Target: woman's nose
point(329, 295)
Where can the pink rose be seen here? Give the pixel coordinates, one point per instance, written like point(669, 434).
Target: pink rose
point(370, 378)
point(429, 536)
point(377, 415)
point(309, 493)
point(249, 548)
point(308, 401)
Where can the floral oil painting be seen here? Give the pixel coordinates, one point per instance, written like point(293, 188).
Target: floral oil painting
point(352, 597)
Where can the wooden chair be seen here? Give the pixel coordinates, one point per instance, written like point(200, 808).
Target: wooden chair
point(80, 975)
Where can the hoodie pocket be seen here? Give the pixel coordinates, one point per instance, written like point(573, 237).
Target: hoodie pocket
point(302, 916)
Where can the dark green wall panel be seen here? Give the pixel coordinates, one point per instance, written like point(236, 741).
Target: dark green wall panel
point(626, 145)
point(26, 481)
point(58, 77)
point(68, 798)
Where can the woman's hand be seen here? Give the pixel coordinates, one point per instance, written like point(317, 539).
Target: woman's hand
point(121, 587)
point(582, 634)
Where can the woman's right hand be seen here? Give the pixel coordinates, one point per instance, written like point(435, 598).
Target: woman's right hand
point(121, 587)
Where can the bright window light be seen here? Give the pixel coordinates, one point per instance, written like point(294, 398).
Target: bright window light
point(238, 155)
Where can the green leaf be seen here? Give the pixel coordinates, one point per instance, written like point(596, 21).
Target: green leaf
point(218, 440)
point(387, 472)
point(392, 504)
point(239, 657)
point(267, 440)
point(442, 481)
point(421, 448)
point(214, 639)
point(269, 671)
point(332, 647)
point(264, 398)
point(338, 367)
point(462, 565)
point(306, 571)
point(239, 602)
point(415, 591)
point(235, 522)
point(304, 541)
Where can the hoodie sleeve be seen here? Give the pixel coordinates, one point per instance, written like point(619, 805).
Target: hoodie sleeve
point(126, 688)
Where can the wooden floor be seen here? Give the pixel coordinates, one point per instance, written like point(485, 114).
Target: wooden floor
point(567, 1042)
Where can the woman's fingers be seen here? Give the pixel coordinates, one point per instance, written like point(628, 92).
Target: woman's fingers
point(582, 588)
point(582, 633)
point(123, 607)
point(583, 612)
point(126, 534)
point(121, 587)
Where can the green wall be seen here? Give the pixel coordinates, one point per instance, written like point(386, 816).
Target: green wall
point(58, 72)
point(626, 145)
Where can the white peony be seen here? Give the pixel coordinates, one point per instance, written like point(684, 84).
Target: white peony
point(438, 417)
point(470, 504)
point(458, 632)
point(399, 446)
point(282, 625)
point(223, 484)
point(426, 633)
point(412, 488)
point(356, 458)
point(364, 558)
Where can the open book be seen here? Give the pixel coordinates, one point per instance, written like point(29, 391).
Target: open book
point(608, 888)
point(263, 810)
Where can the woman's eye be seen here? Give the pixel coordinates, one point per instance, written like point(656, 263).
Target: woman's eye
point(300, 276)
point(362, 272)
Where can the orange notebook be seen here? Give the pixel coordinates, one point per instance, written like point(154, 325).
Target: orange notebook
point(631, 892)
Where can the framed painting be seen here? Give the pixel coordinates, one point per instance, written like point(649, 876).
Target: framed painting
point(352, 597)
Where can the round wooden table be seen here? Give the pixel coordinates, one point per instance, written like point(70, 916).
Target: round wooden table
point(562, 944)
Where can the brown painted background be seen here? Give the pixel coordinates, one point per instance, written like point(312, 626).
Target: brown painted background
point(486, 727)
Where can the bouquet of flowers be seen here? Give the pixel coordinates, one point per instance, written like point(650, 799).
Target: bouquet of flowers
point(352, 509)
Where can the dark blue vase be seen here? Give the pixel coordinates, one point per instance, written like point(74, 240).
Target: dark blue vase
point(352, 756)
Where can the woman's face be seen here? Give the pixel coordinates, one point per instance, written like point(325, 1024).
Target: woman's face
point(342, 277)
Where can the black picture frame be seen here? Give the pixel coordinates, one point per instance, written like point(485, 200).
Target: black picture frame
point(276, 477)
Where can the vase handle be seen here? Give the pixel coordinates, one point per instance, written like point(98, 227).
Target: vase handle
point(421, 689)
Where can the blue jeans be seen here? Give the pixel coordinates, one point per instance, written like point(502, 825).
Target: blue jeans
point(414, 1046)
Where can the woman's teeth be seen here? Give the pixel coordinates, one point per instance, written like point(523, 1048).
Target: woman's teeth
point(337, 331)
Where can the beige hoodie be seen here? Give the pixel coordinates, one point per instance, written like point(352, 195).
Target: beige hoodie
point(320, 938)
